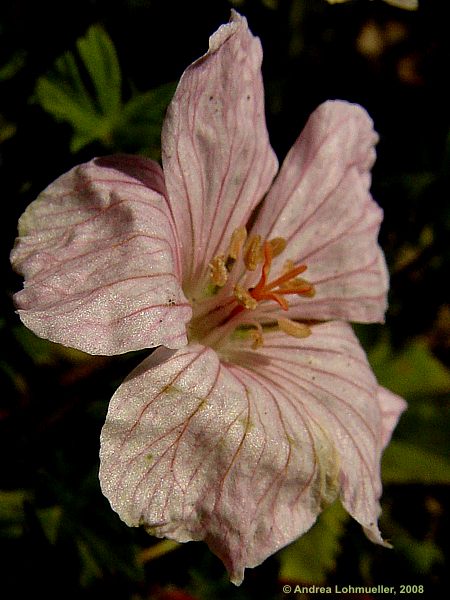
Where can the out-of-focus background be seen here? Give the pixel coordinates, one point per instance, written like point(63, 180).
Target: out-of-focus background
point(83, 78)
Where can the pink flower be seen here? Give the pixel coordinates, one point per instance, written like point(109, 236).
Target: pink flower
point(259, 408)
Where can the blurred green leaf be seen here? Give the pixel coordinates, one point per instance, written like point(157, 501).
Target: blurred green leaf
point(90, 569)
point(139, 127)
point(415, 372)
point(313, 556)
point(99, 56)
point(17, 379)
point(407, 463)
point(7, 129)
point(419, 453)
point(427, 424)
point(41, 351)
point(421, 554)
point(13, 66)
point(157, 550)
point(45, 353)
point(12, 512)
point(64, 95)
point(50, 519)
point(85, 90)
point(98, 556)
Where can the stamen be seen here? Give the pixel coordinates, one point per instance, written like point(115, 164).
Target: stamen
point(219, 272)
point(288, 266)
point(257, 336)
point(278, 245)
point(290, 275)
point(298, 286)
point(253, 253)
point(287, 283)
point(283, 285)
point(238, 238)
point(279, 299)
point(244, 298)
point(293, 328)
point(296, 283)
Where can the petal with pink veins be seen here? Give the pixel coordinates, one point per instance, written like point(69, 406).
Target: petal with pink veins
point(98, 253)
point(215, 148)
point(321, 205)
point(246, 452)
point(391, 407)
point(327, 378)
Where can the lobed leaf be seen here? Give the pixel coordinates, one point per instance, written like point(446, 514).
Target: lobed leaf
point(100, 59)
point(85, 90)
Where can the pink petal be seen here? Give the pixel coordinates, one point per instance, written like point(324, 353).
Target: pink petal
point(216, 153)
point(222, 467)
point(391, 407)
point(98, 254)
point(328, 380)
point(244, 454)
point(321, 204)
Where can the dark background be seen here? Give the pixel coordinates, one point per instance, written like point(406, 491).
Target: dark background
point(59, 536)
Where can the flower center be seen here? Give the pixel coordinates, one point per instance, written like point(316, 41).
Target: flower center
point(277, 289)
point(255, 252)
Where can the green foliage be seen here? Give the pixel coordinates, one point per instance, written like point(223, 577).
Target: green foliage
point(420, 449)
point(13, 66)
point(412, 373)
point(405, 462)
point(50, 519)
point(8, 71)
point(313, 556)
point(140, 122)
point(85, 91)
point(12, 512)
point(39, 350)
point(100, 548)
point(422, 553)
point(7, 129)
point(100, 59)
point(45, 353)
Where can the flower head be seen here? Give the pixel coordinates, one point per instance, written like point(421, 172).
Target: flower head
point(259, 407)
